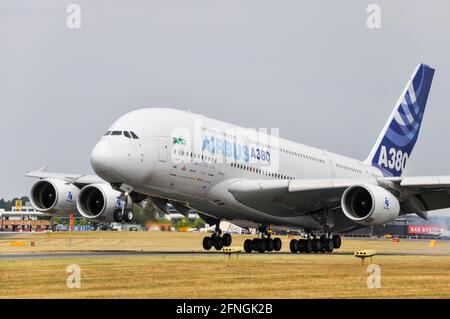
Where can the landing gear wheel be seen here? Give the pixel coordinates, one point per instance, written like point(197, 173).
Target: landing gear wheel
point(269, 244)
point(262, 246)
point(128, 216)
point(302, 245)
point(218, 243)
point(329, 246)
point(316, 245)
point(248, 245)
point(255, 244)
point(207, 243)
point(337, 241)
point(293, 245)
point(118, 216)
point(277, 244)
point(227, 240)
point(259, 245)
point(308, 246)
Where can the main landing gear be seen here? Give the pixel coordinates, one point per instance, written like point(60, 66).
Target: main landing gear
point(324, 244)
point(216, 240)
point(264, 243)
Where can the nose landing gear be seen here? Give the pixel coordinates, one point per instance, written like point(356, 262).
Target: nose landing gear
point(125, 213)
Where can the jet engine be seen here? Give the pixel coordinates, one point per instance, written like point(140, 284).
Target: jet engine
point(101, 203)
point(54, 196)
point(369, 205)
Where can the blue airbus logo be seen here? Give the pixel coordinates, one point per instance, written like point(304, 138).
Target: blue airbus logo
point(386, 203)
point(118, 202)
point(234, 151)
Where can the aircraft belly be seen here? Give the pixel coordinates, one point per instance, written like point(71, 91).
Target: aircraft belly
point(238, 216)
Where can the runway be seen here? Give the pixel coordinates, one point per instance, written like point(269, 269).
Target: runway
point(106, 254)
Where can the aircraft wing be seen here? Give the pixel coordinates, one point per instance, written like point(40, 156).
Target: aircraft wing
point(71, 178)
point(304, 196)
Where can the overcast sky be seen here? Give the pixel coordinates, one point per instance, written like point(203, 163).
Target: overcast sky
point(313, 69)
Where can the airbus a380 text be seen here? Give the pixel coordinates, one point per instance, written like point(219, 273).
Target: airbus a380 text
point(250, 178)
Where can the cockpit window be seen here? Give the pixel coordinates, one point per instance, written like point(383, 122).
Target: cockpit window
point(116, 133)
point(134, 135)
point(107, 133)
point(126, 134)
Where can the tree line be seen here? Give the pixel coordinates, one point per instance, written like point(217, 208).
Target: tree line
point(7, 205)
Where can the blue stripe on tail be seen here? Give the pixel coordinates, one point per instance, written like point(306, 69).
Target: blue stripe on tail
point(394, 146)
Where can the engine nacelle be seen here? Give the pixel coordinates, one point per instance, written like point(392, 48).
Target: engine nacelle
point(54, 196)
point(369, 205)
point(100, 202)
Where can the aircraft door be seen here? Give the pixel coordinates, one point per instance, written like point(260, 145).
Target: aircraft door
point(163, 149)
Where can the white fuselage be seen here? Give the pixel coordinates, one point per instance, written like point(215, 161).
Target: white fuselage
point(193, 159)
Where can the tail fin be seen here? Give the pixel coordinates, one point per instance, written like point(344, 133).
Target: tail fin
point(396, 142)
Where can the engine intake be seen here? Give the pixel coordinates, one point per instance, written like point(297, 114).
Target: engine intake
point(54, 196)
point(369, 205)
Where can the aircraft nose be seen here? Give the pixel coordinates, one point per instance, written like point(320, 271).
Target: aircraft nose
point(110, 162)
point(101, 158)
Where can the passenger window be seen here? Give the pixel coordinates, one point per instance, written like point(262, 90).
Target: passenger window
point(116, 133)
point(126, 134)
point(134, 135)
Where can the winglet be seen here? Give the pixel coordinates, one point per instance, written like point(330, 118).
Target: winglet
point(43, 168)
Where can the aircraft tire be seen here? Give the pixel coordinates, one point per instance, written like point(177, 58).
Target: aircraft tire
point(270, 246)
point(337, 241)
point(308, 246)
point(301, 245)
point(128, 217)
point(207, 243)
point(262, 246)
point(293, 245)
point(277, 244)
point(218, 243)
point(248, 245)
point(329, 246)
point(316, 245)
point(118, 216)
point(227, 239)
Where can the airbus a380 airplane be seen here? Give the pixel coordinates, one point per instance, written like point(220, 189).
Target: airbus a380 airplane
point(250, 178)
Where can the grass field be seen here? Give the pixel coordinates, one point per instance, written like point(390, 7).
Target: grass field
point(210, 276)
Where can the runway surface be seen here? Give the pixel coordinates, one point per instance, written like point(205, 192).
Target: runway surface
point(105, 254)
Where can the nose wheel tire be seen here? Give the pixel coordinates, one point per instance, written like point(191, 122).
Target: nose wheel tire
point(118, 216)
point(128, 217)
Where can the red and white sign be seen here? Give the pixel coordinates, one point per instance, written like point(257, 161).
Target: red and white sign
point(425, 229)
